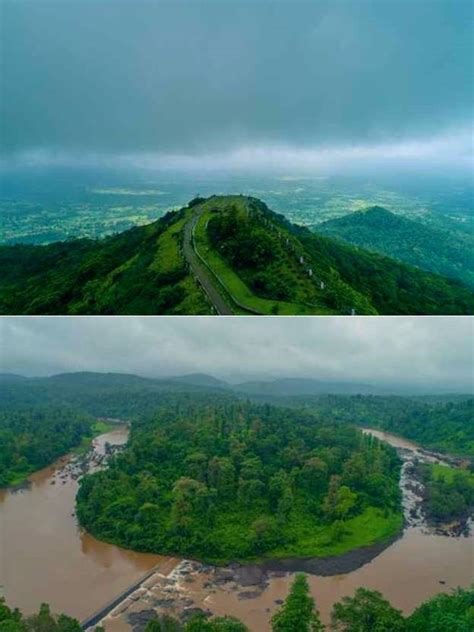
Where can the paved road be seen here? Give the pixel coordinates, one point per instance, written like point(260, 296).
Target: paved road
point(203, 275)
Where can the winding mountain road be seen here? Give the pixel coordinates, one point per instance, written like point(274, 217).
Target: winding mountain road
point(200, 271)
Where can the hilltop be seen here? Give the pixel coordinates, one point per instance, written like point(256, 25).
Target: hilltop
point(379, 230)
point(223, 254)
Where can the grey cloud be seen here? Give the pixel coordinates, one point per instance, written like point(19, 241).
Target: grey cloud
point(423, 351)
point(201, 76)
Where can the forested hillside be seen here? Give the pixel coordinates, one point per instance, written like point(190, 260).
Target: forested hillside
point(282, 261)
point(139, 271)
point(442, 423)
point(379, 230)
point(254, 259)
point(230, 480)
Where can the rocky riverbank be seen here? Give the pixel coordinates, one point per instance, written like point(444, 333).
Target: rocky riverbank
point(190, 586)
point(193, 586)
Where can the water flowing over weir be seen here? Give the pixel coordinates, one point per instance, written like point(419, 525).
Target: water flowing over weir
point(85, 576)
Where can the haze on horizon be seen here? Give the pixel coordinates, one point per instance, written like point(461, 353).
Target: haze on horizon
point(426, 353)
point(327, 86)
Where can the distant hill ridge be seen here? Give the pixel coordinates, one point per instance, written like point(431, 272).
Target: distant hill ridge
point(230, 247)
point(86, 382)
point(380, 230)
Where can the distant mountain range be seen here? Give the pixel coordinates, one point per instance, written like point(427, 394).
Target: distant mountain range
point(379, 230)
point(233, 255)
point(88, 383)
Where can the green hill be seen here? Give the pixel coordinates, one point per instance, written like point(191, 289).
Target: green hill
point(225, 254)
point(139, 271)
point(409, 241)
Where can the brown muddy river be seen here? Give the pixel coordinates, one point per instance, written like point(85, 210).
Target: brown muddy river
point(45, 557)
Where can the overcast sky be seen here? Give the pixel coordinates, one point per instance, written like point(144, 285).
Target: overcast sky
point(268, 83)
point(420, 350)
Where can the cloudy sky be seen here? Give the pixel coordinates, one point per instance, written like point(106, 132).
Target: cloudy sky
point(269, 83)
point(423, 351)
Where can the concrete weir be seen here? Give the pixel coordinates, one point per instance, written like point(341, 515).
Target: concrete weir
point(98, 616)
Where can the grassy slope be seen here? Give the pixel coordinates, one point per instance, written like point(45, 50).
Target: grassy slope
point(231, 280)
point(447, 473)
point(310, 540)
point(354, 278)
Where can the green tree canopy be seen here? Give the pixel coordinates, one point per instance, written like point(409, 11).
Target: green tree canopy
point(367, 611)
point(298, 613)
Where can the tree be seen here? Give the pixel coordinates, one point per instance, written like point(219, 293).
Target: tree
point(453, 612)
point(10, 620)
point(340, 499)
point(66, 624)
point(298, 613)
point(199, 623)
point(43, 621)
point(366, 611)
point(190, 497)
point(314, 474)
point(221, 476)
point(164, 624)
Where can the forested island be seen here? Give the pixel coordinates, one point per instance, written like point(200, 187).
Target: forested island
point(230, 480)
point(210, 474)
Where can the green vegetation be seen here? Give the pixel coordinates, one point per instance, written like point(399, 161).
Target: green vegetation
point(219, 479)
point(197, 623)
point(443, 426)
point(449, 492)
point(298, 613)
point(419, 245)
point(31, 438)
point(274, 257)
point(454, 612)
point(44, 621)
point(249, 276)
point(99, 427)
point(367, 610)
point(139, 271)
point(266, 263)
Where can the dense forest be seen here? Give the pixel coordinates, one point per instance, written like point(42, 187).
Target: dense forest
point(274, 258)
point(143, 270)
point(417, 244)
point(33, 437)
point(223, 480)
point(365, 611)
point(444, 426)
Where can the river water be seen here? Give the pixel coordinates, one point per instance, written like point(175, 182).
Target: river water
point(46, 557)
